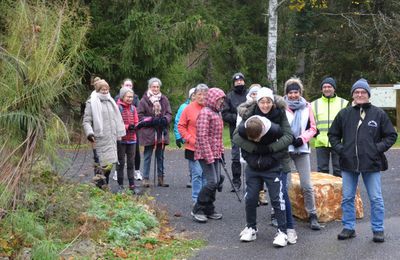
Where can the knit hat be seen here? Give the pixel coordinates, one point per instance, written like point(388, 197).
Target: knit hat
point(123, 91)
point(266, 123)
point(254, 88)
point(361, 83)
point(237, 76)
point(191, 91)
point(265, 92)
point(330, 81)
point(99, 83)
point(293, 84)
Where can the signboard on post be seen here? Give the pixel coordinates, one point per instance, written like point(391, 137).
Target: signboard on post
point(383, 96)
point(387, 96)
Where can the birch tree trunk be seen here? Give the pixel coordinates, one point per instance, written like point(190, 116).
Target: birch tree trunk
point(272, 42)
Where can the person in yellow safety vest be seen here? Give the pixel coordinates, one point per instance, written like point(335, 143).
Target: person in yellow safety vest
point(325, 110)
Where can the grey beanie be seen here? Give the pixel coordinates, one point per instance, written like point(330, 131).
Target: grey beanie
point(330, 81)
point(237, 75)
point(361, 83)
point(123, 91)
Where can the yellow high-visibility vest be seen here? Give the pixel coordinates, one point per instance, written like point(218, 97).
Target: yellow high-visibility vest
point(325, 110)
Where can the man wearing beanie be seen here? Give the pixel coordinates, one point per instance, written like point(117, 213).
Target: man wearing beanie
point(229, 114)
point(325, 110)
point(360, 134)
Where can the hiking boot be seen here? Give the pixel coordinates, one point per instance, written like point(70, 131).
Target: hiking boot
point(314, 225)
point(146, 183)
point(291, 236)
point(274, 221)
point(262, 198)
point(346, 234)
point(138, 175)
point(215, 216)
point(161, 182)
point(201, 218)
point(248, 234)
point(378, 237)
point(280, 240)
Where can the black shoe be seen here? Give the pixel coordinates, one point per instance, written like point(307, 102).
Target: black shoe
point(314, 225)
point(346, 234)
point(379, 237)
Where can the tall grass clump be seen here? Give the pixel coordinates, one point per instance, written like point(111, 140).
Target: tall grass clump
point(41, 46)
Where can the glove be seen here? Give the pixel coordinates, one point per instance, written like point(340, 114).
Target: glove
point(91, 138)
point(297, 142)
point(131, 127)
point(156, 121)
point(163, 121)
point(179, 142)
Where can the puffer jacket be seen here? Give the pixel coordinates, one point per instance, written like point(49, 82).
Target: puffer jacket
point(229, 111)
point(209, 127)
point(361, 148)
point(130, 117)
point(148, 134)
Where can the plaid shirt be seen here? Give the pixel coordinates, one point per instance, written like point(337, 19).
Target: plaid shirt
point(209, 127)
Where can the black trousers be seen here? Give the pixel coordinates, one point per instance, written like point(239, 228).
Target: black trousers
point(127, 150)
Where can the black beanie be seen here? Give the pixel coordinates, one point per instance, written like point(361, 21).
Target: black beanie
point(293, 86)
point(330, 81)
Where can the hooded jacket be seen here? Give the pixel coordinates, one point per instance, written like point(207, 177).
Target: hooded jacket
point(209, 127)
point(361, 147)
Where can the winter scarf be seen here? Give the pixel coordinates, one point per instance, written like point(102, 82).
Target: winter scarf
point(296, 106)
point(95, 103)
point(155, 100)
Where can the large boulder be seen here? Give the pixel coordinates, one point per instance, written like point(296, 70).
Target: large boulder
point(328, 197)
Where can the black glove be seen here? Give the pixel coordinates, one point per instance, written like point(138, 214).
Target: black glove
point(163, 121)
point(156, 121)
point(297, 142)
point(131, 127)
point(179, 142)
point(91, 138)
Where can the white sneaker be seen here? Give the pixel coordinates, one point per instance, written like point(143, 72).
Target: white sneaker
point(248, 234)
point(280, 239)
point(138, 175)
point(291, 236)
point(115, 177)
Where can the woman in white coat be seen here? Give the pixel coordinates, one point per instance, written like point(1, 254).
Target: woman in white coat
point(103, 125)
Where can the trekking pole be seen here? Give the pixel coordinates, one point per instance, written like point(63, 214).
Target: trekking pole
point(230, 179)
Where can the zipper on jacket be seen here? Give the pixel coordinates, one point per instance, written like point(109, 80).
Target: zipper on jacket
point(358, 127)
point(258, 162)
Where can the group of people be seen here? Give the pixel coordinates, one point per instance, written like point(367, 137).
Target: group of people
point(270, 137)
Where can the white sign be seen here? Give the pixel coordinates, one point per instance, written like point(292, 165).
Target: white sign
point(384, 97)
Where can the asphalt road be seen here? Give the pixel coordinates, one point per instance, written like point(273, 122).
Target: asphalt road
point(223, 235)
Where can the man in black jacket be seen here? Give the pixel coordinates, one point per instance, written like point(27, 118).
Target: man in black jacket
point(360, 134)
point(229, 114)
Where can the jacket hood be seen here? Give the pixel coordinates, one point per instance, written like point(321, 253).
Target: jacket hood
point(213, 95)
point(122, 103)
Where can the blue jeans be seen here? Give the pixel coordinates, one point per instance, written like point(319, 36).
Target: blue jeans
point(288, 205)
point(372, 182)
point(198, 179)
point(148, 152)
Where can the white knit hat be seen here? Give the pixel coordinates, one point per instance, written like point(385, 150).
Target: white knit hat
point(265, 92)
point(191, 91)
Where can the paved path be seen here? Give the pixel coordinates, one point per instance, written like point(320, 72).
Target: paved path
point(223, 235)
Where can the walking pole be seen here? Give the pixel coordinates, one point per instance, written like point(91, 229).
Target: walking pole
point(230, 179)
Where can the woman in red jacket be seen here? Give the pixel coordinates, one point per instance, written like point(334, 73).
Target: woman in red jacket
point(127, 145)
